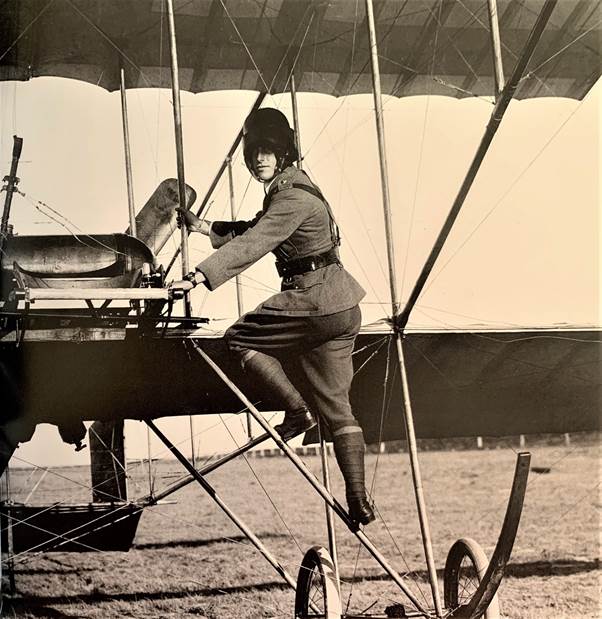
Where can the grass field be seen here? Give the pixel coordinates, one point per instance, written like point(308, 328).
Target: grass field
point(189, 560)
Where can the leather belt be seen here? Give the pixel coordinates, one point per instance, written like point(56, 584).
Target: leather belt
point(298, 266)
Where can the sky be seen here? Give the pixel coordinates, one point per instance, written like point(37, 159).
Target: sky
point(524, 251)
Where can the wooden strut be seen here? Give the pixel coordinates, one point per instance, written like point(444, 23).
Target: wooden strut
point(330, 529)
point(407, 404)
point(260, 97)
point(215, 496)
point(496, 46)
point(177, 112)
point(400, 320)
point(320, 489)
point(127, 153)
point(152, 498)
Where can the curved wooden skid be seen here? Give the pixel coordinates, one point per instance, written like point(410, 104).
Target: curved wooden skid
point(495, 572)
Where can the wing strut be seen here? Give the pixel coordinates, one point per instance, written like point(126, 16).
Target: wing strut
point(216, 179)
point(330, 528)
point(496, 44)
point(400, 320)
point(408, 418)
point(127, 152)
point(177, 115)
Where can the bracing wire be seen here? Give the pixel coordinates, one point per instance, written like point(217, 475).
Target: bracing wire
point(434, 276)
point(267, 494)
point(359, 262)
point(97, 486)
point(244, 44)
point(508, 49)
point(563, 49)
point(40, 205)
point(26, 29)
point(421, 153)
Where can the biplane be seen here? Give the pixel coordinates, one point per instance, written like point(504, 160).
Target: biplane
point(94, 360)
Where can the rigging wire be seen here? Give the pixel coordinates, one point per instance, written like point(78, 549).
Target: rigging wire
point(477, 336)
point(563, 49)
point(26, 29)
point(244, 44)
point(505, 46)
point(112, 43)
point(435, 275)
point(267, 494)
point(40, 205)
point(420, 155)
point(95, 487)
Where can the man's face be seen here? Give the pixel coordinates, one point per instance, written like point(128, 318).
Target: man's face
point(264, 164)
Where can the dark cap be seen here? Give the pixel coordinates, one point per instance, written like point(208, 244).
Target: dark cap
point(269, 127)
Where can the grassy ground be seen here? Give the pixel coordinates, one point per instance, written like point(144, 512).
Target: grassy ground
point(189, 560)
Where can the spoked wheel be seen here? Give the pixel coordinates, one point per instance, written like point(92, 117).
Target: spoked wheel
point(465, 567)
point(317, 591)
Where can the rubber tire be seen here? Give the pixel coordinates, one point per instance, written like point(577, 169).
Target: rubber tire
point(452, 594)
point(317, 583)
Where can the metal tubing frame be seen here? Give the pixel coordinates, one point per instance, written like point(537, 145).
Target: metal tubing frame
point(127, 152)
point(407, 409)
point(152, 498)
point(222, 505)
point(320, 489)
point(496, 46)
point(258, 101)
point(177, 113)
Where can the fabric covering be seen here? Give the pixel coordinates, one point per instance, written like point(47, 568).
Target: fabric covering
point(425, 46)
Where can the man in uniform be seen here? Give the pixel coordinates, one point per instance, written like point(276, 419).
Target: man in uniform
point(298, 343)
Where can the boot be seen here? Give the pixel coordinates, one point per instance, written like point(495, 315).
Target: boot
point(349, 451)
point(268, 372)
point(295, 423)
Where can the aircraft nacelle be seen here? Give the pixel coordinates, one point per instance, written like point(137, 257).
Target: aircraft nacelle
point(94, 261)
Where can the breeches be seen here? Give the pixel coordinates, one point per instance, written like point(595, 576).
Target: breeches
point(314, 351)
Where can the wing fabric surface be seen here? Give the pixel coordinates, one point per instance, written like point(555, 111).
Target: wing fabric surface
point(461, 383)
point(425, 46)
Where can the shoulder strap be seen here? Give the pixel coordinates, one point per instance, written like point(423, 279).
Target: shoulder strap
point(314, 191)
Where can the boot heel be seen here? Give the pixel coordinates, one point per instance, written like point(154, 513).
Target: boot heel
point(360, 511)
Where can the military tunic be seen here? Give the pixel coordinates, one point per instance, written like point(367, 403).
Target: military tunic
point(293, 224)
point(310, 326)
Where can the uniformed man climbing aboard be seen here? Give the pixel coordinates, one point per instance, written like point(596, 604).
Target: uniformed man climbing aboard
point(298, 343)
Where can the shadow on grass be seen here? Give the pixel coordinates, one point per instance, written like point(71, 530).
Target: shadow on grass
point(36, 605)
point(46, 571)
point(14, 607)
point(531, 569)
point(198, 543)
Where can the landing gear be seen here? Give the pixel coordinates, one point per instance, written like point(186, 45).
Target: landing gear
point(465, 567)
point(317, 588)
